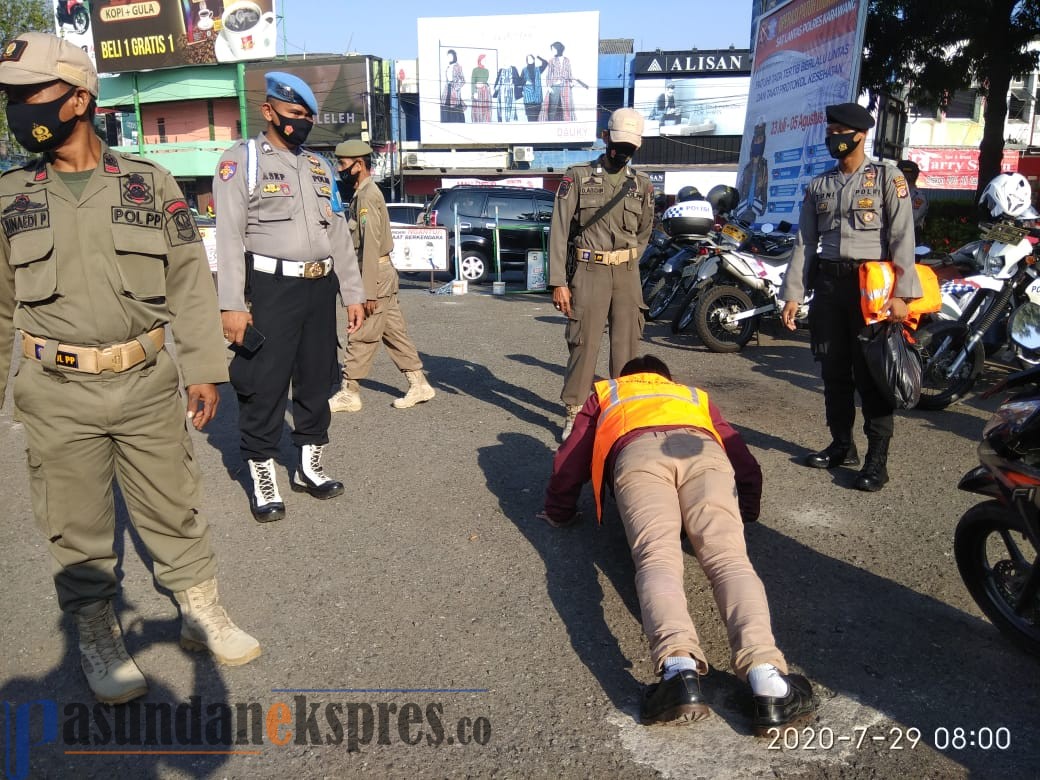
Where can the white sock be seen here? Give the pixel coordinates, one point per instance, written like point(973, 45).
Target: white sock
point(765, 680)
point(674, 665)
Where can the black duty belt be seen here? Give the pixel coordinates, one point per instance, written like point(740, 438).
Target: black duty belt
point(839, 269)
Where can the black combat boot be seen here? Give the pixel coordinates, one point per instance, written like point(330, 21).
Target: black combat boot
point(840, 452)
point(875, 467)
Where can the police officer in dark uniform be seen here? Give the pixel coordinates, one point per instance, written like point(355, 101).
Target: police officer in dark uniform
point(858, 211)
point(279, 203)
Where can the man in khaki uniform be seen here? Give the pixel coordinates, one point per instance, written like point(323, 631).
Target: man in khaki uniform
point(283, 254)
point(610, 230)
point(98, 253)
point(384, 321)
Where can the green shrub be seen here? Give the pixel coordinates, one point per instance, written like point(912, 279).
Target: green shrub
point(950, 224)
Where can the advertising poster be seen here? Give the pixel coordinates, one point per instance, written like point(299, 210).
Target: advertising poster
point(807, 56)
point(338, 87)
point(509, 79)
point(146, 34)
point(954, 169)
point(709, 105)
point(420, 248)
point(72, 22)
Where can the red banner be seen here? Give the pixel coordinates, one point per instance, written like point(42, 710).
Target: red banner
point(954, 169)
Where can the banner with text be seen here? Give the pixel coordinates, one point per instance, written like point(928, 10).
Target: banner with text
point(146, 34)
point(807, 57)
point(419, 248)
point(944, 168)
point(522, 79)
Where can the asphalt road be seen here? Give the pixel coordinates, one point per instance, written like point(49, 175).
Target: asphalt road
point(428, 605)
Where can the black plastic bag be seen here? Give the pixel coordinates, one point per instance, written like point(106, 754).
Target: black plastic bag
point(894, 362)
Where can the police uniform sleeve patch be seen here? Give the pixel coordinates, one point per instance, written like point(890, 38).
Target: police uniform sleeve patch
point(137, 190)
point(227, 170)
point(180, 226)
point(565, 187)
point(111, 163)
point(902, 189)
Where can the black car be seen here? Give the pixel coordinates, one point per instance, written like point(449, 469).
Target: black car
point(523, 213)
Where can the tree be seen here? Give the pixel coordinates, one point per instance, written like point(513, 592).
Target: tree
point(930, 48)
point(22, 16)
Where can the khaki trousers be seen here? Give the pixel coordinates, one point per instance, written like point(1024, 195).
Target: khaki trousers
point(86, 430)
point(601, 295)
point(667, 481)
point(386, 324)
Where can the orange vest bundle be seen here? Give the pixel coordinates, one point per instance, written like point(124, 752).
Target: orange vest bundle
point(642, 401)
point(876, 281)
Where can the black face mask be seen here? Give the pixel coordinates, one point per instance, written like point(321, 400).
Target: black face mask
point(841, 144)
point(37, 126)
point(349, 180)
point(622, 153)
point(293, 131)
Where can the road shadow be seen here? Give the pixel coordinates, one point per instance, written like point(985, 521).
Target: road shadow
point(111, 741)
point(464, 377)
point(918, 661)
point(574, 559)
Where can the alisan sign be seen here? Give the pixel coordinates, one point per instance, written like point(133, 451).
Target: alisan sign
point(706, 62)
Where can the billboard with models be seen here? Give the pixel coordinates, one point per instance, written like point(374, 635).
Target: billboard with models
point(509, 79)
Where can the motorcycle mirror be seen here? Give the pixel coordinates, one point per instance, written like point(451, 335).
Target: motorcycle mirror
point(1024, 328)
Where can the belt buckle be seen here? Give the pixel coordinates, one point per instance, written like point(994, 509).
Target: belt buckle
point(113, 356)
point(600, 257)
point(313, 270)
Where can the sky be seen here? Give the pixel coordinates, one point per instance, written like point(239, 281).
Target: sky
point(388, 30)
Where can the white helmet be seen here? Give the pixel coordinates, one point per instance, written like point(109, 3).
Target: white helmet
point(689, 217)
point(1009, 194)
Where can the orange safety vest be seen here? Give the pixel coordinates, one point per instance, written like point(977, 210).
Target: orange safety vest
point(642, 401)
point(876, 281)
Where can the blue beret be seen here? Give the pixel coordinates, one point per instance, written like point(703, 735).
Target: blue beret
point(291, 89)
point(851, 115)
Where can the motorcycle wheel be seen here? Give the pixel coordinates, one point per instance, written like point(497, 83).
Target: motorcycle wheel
point(713, 306)
point(659, 304)
point(937, 390)
point(687, 310)
point(80, 19)
point(997, 562)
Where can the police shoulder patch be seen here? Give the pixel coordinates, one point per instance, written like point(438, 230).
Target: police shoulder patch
point(902, 189)
point(227, 170)
point(565, 187)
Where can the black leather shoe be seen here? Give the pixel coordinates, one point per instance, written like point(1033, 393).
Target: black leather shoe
point(871, 479)
point(836, 454)
point(773, 712)
point(677, 699)
point(328, 489)
point(268, 513)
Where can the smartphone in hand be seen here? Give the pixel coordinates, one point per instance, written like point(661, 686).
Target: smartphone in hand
point(252, 339)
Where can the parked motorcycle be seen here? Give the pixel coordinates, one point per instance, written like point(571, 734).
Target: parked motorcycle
point(657, 251)
point(74, 14)
point(953, 351)
point(997, 542)
point(689, 225)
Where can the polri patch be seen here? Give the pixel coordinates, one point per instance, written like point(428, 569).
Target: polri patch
point(902, 189)
point(227, 170)
point(822, 207)
point(147, 218)
point(22, 213)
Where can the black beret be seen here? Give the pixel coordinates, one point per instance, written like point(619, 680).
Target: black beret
point(851, 115)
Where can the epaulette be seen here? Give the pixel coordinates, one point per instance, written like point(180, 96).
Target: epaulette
point(139, 160)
